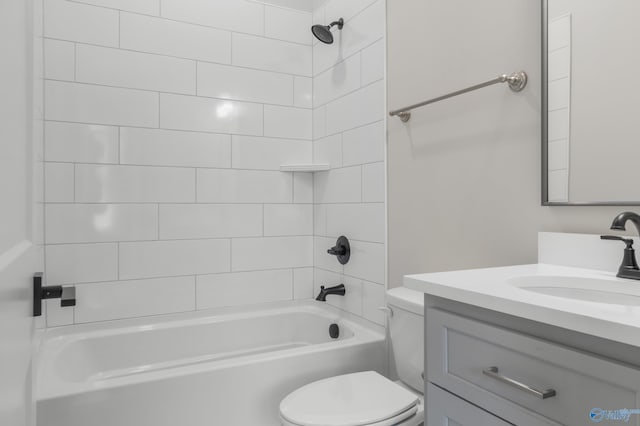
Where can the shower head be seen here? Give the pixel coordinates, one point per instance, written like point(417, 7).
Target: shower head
point(323, 32)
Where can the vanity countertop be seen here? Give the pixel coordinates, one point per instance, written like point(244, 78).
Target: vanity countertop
point(497, 289)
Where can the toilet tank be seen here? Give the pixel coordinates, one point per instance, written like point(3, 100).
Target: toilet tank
point(406, 330)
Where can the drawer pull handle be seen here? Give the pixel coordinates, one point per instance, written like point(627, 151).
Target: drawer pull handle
point(493, 372)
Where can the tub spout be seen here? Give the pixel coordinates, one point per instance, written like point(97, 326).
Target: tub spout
point(338, 290)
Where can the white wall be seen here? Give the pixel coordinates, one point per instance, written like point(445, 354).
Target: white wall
point(21, 205)
point(349, 134)
point(16, 129)
point(165, 130)
point(464, 174)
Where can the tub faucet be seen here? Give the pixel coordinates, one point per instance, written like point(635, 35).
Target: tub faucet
point(629, 267)
point(338, 290)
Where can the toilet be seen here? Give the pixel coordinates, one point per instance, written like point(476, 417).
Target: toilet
point(368, 398)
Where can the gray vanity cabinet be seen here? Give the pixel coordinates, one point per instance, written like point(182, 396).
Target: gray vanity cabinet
point(525, 380)
point(445, 409)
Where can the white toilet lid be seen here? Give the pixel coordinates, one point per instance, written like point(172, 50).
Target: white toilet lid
point(349, 400)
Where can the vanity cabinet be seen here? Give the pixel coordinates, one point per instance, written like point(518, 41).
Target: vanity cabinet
point(521, 379)
point(445, 409)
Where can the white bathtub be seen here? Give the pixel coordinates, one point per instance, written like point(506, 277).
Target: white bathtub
point(226, 367)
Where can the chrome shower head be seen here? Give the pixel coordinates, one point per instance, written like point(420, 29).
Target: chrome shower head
point(323, 32)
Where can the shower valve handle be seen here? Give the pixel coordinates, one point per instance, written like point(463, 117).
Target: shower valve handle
point(337, 251)
point(342, 250)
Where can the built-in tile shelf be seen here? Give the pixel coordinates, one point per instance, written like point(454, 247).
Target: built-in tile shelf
point(309, 168)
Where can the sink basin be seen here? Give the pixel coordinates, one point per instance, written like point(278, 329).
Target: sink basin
point(611, 292)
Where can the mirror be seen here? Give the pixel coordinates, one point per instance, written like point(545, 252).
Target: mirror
point(591, 102)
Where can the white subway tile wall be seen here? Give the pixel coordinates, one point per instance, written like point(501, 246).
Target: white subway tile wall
point(243, 288)
point(559, 108)
point(302, 188)
point(349, 134)
point(166, 124)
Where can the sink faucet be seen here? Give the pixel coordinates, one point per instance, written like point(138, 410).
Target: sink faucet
point(629, 266)
point(619, 223)
point(338, 290)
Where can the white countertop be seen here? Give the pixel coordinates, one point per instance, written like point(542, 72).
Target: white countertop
point(490, 289)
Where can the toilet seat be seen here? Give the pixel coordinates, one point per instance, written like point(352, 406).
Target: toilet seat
point(357, 399)
point(395, 421)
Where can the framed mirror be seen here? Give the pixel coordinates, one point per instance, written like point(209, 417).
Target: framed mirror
point(591, 102)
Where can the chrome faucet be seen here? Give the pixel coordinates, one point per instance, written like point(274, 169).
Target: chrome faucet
point(338, 290)
point(629, 266)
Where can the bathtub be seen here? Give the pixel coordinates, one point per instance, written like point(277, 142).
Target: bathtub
point(227, 367)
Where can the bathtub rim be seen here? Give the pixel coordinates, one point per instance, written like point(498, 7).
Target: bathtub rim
point(50, 385)
point(310, 305)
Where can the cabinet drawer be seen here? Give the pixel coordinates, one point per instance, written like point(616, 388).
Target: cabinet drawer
point(445, 409)
point(486, 364)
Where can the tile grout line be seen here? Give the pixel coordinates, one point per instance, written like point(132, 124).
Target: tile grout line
point(196, 186)
point(118, 260)
point(190, 167)
point(361, 69)
point(230, 48)
point(324, 119)
point(75, 63)
point(361, 183)
point(167, 129)
point(75, 189)
point(212, 238)
point(293, 187)
point(181, 58)
point(360, 88)
point(293, 284)
point(195, 24)
point(146, 278)
point(178, 94)
point(43, 134)
point(209, 203)
point(342, 149)
point(195, 292)
point(343, 59)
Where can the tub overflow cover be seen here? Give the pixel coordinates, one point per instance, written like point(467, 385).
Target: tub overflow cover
point(334, 331)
